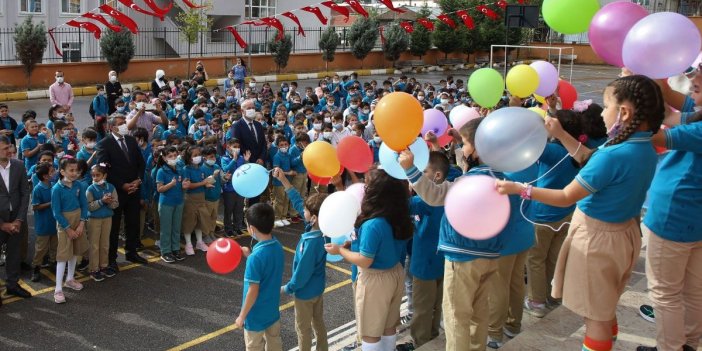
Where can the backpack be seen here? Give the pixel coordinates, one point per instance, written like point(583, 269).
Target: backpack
point(91, 110)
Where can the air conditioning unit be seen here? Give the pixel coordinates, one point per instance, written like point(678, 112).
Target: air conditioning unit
point(71, 51)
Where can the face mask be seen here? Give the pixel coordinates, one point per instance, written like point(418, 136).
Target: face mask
point(285, 90)
point(420, 98)
point(330, 103)
point(264, 124)
point(335, 81)
point(252, 85)
point(90, 145)
point(61, 115)
point(99, 182)
point(66, 133)
point(126, 95)
point(281, 123)
point(327, 119)
point(202, 128)
point(59, 80)
point(327, 135)
point(113, 79)
point(365, 112)
point(139, 105)
point(196, 160)
point(283, 150)
point(171, 162)
point(235, 151)
point(204, 109)
point(612, 132)
point(354, 106)
point(120, 109)
point(230, 99)
point(249, 113)
point(338, 126)
point(369, 94)
point(317, 126)
point(179, 107)
point(377, 140)
point(60, 155)
point(210, 162)
point(123, 129)
point(101, 92)
point(172, 128)
point(444, 101)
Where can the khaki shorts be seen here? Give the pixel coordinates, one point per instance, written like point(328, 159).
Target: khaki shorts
point(595, 264)
point(378, 299)
point(67, 247)
point(211, 221)
point(195, 213)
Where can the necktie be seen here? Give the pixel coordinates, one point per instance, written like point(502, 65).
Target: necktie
point(253, 131)
point(124, 148)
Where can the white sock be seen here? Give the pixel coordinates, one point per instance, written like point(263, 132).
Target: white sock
point(388, 342)
point(366, 346)
point(71, 268)
point(60, 269)
point(198, 235)
point(188, 239)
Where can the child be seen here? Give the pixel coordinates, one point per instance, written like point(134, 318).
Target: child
point(61, 135)
point(169, 185)
point(102, 199)
point(233, 202)
point(31, 143)
point(282, 160)
point(339, 131)
point(70, 208)
point(308, 271)
point(99, 106)
point(87, 152)
point(604, 239)
point(299, 180)
point(44, 222)
point(194, 209)
point(213, 174)
point(374, 145)
point(263, 277)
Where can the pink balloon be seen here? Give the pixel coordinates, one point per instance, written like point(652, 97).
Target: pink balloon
point(358, 190)
point(475, 209)
point(434, 121)
point(460, 115)
point(548, 77)
point(609, 28)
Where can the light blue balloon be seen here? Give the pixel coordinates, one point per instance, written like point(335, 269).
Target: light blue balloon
point(388, 159)
point(339, 240)
point(250, 180)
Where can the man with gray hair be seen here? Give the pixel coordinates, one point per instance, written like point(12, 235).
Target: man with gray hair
point(251, 135)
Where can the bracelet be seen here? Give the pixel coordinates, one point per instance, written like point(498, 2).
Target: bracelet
point(526, 192)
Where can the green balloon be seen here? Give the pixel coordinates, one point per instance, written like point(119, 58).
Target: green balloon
point(486, 87)
point(569, 16)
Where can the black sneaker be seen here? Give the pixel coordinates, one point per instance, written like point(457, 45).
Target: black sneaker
point(178, 256)
point(108, 272)
point(83, 265)
point(36, 275)
point(230, 234)
point(168, 258)
point(97, 276)
point(45, 264)
point(408, 346)
point(646, 348)
point(646, 312)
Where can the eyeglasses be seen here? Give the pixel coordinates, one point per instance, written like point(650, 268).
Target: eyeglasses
point(691, 72)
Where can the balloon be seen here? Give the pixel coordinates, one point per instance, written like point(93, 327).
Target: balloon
point(538, 110)
point(223, 255)
point(522, 80)
point(338, 213)
point(354, 154)
point(569, 16)
point(567, 93)
point(250, 180)
point(435, 121)
point(475, 209)
point(398, 120)
point(511, 139)
point(661, 45)
point(486, 87)
point(548, 77)
point(320, 159)
point(444, 139)
point(540, 98)
point(461, 114)
point(388, 158)
point(610, 26)
point(323, 180)
point(340, 240)
point(358, 190)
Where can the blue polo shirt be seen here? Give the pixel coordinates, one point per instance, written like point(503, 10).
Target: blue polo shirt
point(308, 270)
point(29, 143)
point(427, 261)
point(174, 195)
point(553, 178)
point(44, 222)
point(196, 175)
point(520, 230)
point(213, 194)
point(66, 199)
point(617, 178)
point(284, 161)
point(97, 192)
point(264, 267)
point(84, 154)
point(296, 160)
point(676, 191)
point(376, 241)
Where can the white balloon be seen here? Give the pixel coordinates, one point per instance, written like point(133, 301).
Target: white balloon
point(338, 214)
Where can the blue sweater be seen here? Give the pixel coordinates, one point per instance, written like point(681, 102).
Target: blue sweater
point(97, 208)
point(308, 275)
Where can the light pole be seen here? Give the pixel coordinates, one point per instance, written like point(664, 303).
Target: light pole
point(251, 17)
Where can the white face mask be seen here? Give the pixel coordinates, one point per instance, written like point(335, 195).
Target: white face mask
point(202, 128)
point(60, 155)
point(172, 128)
point(59, 80)
point(204, 109)
point(252, 85)
point(235, 151)
point(420, 98)
point(113, 79)
point(172, 162)
point(90, 145)
point(179, 107)
point(126, 95)
point(377, 140)
point(197, 160)
point(123, 129)
point(327, 119)
point(66, 133)
point(327, 135)
point(99, 182)
point(249, 113)
point(120, 108)
point(317, 126)
point(61, 115)
point(354, 106)
point(283, 150)
point(444, 101)
point(281, 123)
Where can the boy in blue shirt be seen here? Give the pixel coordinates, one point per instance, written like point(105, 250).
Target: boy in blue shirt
point(44, 222)
point(299, 180)
point(213, 172)
point(282, 160)
point(87, 152)
point(31, 143)
point(260, 314)
point(99, 106)
point(233, 202)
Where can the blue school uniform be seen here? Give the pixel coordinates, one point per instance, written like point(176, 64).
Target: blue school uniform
point(213, 194)
point(85, 154)
point(98, 191)
point(182, 118)
point(557, 178)
point(298, 203)
point(264, 267)
point(375, 148)
point(688, 109)
point(309, 274)
point(617, 178)
point(196, 175)
point(199, 135)
point(230, 165)
point(67, 199)
point(63, 142)
point(521, 232)
point(168, 133)
point(376, 241)
point(29, 143)
point(174, 195)
point(427, 262)
point(296, 160)
point(100, 105)
point(44, 221)
point(284, 161)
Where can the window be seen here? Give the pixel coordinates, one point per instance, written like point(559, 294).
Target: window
point(259, 8)
point(70, 6)
point(31, 6)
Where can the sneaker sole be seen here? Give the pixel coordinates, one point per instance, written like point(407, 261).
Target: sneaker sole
point(97, 280)
point(72, 288)
point(167, 261)
point(646, 312)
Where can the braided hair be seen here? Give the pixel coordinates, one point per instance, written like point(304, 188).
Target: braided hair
point(646, 97)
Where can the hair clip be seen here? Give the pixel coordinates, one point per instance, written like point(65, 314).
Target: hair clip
point(583, 138)
point(581, 106)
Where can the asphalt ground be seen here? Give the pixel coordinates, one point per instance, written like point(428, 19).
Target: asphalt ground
point(179, 306)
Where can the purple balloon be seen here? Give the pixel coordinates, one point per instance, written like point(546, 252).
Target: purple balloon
point(434, 121)
point(609, 28)
point(548, 78)
point(661, 45)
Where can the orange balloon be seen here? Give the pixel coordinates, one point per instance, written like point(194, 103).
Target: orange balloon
point(320, 159)
point(398, 118)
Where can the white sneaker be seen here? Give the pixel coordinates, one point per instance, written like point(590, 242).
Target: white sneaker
point(201, 246)
point(189, 249)
point(279, 224)
point(286, 222)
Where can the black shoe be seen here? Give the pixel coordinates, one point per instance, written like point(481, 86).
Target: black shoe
point(97, 276)
point(135, 258)
point(408, 346)
point(18, 291)
point(178, 256)
point(36, 275)
point(139, 246)
point(688, 348)
point(646, 348)
point(83, 265)
point(168, 258)
point(25, 266)
point(108, 272)
point(230, 234)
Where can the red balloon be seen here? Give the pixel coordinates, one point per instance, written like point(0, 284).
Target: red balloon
point(322, 180)
point(354, 154)
point(223, 255)
point(567, 93)
point(445, 139)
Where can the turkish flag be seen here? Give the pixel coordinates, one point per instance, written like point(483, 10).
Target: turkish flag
point(502, 4)
point(429, 25)
point(294, 18)
point(488, 12)
point(390, 6)
point(341, 10)
point(356, 6)
point(135, 7)
point(465, 17)
point(121, 18)
point(53, 40)
point(274, 22)
point(162, 11)
point(89, 26)
point(407, 26)
point(315, 10)
point(239, 39)
point(103, 20)
point(446, 19)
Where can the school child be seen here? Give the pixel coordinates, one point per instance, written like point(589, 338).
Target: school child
point(61, 135)
point(263, 277)
point(44, 222)
point(427, 264)
point(374, 144)
point(604, 239)
point(299, 180)
point(180, 115)
point(213, 174)
point(121, 107)
point(282, 160)
point(309, 275)
point(380, 243)
point(170, 185)
point(233, 202)
point(315, 133)
point(339, 132)
point(102, 199)
point(31, 143)
point(281, 124)
point(99, 106)
point(354, 108)
point(87, 151)
point(202, 131)
point(194, 210)
point(70, 208)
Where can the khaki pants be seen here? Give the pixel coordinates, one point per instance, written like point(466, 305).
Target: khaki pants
point(212, 211)
point(674, 272)
point(427, 297)
point(99, 238)
point(42, 245)
point(507, 295)
point(378, 299)
point(299, 182)
point(465, 303)
point(309, 316)
point(268, 340)
point(281, 203)
point(542, 258)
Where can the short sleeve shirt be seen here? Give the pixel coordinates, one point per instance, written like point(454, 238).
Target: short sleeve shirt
point(264, 267)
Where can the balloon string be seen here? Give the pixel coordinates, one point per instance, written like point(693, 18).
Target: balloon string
point(556, 165)
point(521, 210)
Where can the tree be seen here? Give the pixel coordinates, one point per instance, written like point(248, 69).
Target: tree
point(192, 22)
point(362, 36)
point(396, 42)
point(281, 50)
point(30, 43)
point(118, 49)
point(448, 39)
point(328, 43)
point(420, 39)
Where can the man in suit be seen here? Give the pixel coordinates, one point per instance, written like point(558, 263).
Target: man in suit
point(251, 136)
point(121, 151)
point(14, 202)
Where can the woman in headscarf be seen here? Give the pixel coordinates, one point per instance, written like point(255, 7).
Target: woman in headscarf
point(158, 83)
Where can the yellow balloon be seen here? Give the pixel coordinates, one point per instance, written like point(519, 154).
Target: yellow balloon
point(540, 98)
point(539, 110)
point(320, 159)
point(522, 81)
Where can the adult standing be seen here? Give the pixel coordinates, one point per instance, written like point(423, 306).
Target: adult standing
point(251, 135)
point(141, 118)
point(239, 71)
point(113, 89)
point(61, 93)
point(158, 83)
point(122, 152)
point(14, 202)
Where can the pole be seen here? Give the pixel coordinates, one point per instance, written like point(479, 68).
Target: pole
point(249, 47)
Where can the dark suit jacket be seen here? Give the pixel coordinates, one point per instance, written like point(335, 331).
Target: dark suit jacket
point(17, 195)
point(249, 142)
point(121, 170)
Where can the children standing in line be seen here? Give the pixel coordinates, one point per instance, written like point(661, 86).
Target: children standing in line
point(44, 222)
point(170, 185)
point(213, 175)
point(233, 202)
point(102, 199)
point(194, 209)
point(283, 161)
